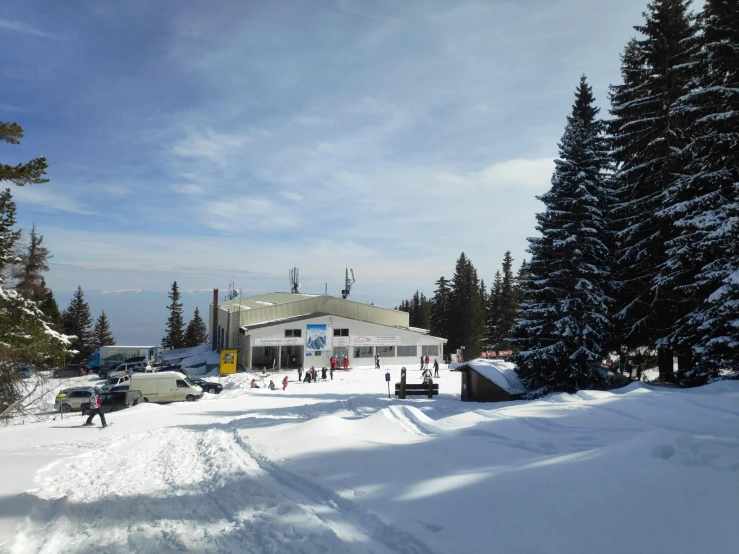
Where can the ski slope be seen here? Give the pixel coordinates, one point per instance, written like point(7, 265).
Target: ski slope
point(336, 467)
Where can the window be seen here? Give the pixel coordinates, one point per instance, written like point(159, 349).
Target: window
point(430, 350)
point(341, 332)
point(317, 353)
point(407, 351)
point(293, 333)
point(363, 352)
point(182, 385)
point(386, 351)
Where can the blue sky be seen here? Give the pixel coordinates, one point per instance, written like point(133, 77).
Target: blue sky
point(231, 140)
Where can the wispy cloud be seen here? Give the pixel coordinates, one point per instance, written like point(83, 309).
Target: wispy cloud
point(50, 199)
point(122, 291)
point(26, 29)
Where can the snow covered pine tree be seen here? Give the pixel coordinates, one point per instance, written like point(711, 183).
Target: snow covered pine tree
point(703, 260)
point(562, 328)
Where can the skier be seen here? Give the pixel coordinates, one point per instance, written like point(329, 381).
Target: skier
point(96, 408)
point(323, 370)
point(272, 385)
point(284, 383)
point(436, 368)
point(300, 373)
point(377, 361)
point(426, 362)
point(346, 363)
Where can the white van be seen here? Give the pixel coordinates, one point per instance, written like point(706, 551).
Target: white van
point(169, 386)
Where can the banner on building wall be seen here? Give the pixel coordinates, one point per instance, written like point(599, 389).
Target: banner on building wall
point(279, 341)
point(316, 337)
point(340, 342)
point(375, 341)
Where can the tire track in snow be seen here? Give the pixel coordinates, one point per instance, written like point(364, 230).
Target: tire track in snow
point(395, 539)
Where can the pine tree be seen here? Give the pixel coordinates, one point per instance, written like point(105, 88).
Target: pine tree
point(8, 234)
point(466, 312)
point(22, 174)
point(703, 262)
point(196, 333)
point(563, 324)
point(50, 308)
point(493, 313)
point(34, 261)
point(440, 304)
point(102, 334)
point(647, 139)
point(508, 302)
point(78, 321)
point(175, 337)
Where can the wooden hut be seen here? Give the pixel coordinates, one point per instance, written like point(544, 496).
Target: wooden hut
point(489, 381)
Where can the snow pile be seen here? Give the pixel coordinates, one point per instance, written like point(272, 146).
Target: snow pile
point(503, 374)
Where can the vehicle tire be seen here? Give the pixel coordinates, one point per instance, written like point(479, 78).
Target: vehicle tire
point(145, 399)
point(66, 408)
point(211, 391)
point(190, 398)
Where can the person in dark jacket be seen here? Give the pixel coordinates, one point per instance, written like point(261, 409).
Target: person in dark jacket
point(436, 368)
point(421, 363)
point(333, 364)
point(377, 361)
point(300, 373)
point(323, 370)
point(331, 372)
point(96, 408)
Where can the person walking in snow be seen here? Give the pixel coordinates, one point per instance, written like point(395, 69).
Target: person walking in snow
point(323, 370)
point(96, 408)
point(333, 365)
point(421, 363)
point(331, 372)
point(377, 361)
point(300, 373)
point(284, 383)
point(426, 362)
point(346, 363)
point(436, 368)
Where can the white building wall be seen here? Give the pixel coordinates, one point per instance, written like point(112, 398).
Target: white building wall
point(405, 338)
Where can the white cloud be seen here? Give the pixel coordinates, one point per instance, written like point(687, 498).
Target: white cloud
point(532, 174)
point(25, 29)
point(211, 146)
point(121, 291)
point(187, 189)
point(294, 196)
point(49, 198)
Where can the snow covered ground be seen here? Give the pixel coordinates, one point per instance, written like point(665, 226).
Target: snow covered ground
point(336, 467)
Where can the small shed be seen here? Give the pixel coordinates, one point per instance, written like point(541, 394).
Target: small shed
point(489, 381)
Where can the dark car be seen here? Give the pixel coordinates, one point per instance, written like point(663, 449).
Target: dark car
point(107, 368)
point(115, 401)
point(208, 386)
point(72, 370)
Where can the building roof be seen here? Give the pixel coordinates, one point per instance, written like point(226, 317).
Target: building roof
point(502, 374)
point(264, 300)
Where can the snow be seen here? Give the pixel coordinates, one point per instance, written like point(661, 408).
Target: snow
point(499, 372)
point(336, 467)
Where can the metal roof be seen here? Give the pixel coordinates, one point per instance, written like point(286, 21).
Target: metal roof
point(264, 300)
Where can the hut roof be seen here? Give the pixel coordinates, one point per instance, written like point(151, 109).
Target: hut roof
point(501, 373)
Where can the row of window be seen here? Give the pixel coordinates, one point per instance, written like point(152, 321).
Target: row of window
point(293, 333)
point(395, 351)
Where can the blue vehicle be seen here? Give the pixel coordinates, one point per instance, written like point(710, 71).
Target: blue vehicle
point(112, 354)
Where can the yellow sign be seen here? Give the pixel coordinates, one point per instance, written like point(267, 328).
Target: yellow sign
point(228, 361)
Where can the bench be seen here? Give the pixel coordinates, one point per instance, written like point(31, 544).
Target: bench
point(418, 389)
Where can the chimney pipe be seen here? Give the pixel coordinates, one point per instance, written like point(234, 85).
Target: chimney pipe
point(214, 326)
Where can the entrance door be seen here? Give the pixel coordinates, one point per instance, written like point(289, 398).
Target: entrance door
point(292, 357)
point(339, 354)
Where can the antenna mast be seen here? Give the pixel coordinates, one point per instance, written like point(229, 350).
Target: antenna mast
point(348, 283)
point(294, 280)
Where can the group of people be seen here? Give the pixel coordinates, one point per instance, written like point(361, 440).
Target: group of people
point(335, 363)
point(312, 377)
point(271, 385)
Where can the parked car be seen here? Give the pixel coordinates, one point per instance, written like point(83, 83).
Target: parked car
point(168, 386)
point(72, 370)
point(208, 386)
point(119, 388)
point(114, 401)
point(106, 368)
point(72, 399)
point(24, 372)
point(115, 381)
point(126, 369)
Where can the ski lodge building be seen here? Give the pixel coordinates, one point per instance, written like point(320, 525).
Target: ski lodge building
point(285, 330)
